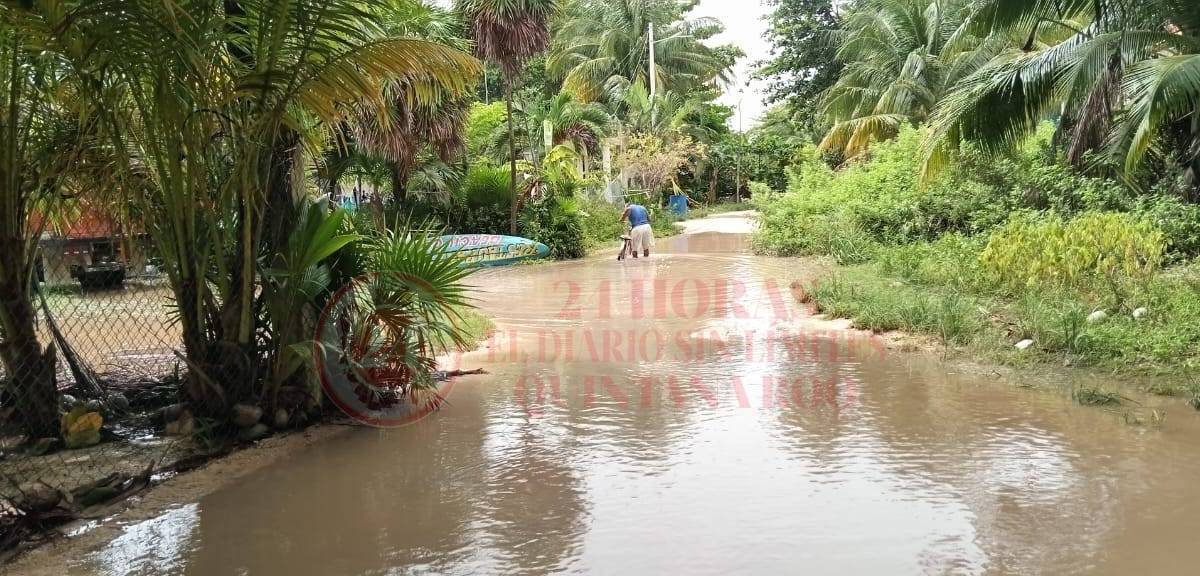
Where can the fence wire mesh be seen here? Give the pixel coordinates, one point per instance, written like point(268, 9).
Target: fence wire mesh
point(88, 384)
point(103, 386)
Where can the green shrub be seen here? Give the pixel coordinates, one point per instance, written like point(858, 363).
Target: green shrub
point(601, 222)
point(662, 221)
point(998, 250)
point(761, 192)
point(1108, 251)
point(833, 234)
point(878, 198)
point(556, 222)
point(951, 261)
point(482, 205)
point(1179, 223)
point(482, 121)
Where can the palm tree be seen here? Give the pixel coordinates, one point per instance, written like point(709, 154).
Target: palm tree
point(404, 133)
point(1123, 75)
point(577, 125)
point(901, 56)
point(218, 104)
point(603, 47)
point(46, 132)
point(641, 113)
point(508, 33)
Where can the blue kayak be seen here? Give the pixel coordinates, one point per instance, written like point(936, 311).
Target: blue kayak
point(492, 249)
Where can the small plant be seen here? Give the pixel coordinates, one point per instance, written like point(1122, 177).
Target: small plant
point(1095, 396)
point(1193, 392)
point(1072, 325)
point(955, 322)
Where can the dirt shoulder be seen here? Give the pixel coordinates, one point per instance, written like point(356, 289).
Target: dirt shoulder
point(76, 539)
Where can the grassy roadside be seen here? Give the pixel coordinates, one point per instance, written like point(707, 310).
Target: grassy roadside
point(476, 326)
point(1053, 328)
point(1016, 261)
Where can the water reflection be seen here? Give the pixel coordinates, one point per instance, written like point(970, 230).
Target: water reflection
point(156, 546)
point(747, 442)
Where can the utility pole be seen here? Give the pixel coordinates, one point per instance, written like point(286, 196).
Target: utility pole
point(737, 179)
point(653, 80)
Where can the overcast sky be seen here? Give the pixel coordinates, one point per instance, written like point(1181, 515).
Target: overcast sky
point(744, 27)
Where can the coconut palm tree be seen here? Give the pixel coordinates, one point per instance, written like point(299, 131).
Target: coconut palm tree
point(218, 105)
point(900, 57)
point(602, 46)
point(1123, 75)
point(508, 33)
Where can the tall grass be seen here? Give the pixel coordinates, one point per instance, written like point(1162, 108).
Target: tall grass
point(997, 252)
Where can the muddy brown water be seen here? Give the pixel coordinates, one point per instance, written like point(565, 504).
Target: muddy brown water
point(736, 435)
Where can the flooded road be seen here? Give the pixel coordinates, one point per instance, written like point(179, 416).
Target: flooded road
point(683, 415)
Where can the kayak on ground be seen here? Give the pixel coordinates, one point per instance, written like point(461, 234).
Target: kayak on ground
point(492, 249)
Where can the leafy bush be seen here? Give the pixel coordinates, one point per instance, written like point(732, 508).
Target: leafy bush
point(662, 221)
point(761, 191)
point(556, 222)
point(1103, 249)
point(601, 222)
point(834, 234)
point(481, 124)
point(952, 260)
point(877, 198)
point(998, 250)
point(482, 205)
point(1179, 223)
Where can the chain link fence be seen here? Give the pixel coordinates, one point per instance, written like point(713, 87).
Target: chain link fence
point(87, 394)
point(98, 396)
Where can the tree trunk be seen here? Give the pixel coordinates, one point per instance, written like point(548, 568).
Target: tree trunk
point(32, 379)
point(512, 159)
point(400, 174)
point(712, 187)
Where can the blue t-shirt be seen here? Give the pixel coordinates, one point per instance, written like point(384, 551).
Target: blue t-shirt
point(638, 215)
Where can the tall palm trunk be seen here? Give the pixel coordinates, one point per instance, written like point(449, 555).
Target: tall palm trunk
point(512, 160)
point(400, 174)
point(30, 369)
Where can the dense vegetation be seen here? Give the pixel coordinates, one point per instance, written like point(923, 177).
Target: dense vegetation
point(997, 173)
point(570, 104)
point(275, 154)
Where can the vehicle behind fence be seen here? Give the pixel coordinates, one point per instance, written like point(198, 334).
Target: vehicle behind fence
point(104, 327)
point(102, 389)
